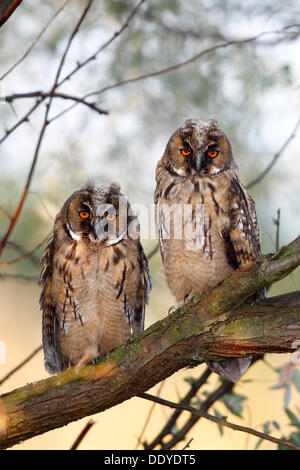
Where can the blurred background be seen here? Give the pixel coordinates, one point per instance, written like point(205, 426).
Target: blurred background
point(252, 88)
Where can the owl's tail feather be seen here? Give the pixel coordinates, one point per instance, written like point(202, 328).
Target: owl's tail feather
point(231, 369)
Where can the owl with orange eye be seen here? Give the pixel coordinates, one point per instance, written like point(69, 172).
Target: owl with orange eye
point(206, 220)
point(94, 276)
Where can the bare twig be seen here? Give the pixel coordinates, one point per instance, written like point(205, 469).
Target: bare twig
point(19, 366)
point(18, 277)
point(82, 434)
point(51, 94)
point(277, 224)
point(275, 158)
point(153, 251)
point(187, 445)
point(5, 212)
point(192, 59)
point(236, 42)
point(26, 255)
point(220, 421)
point(93, 56)
point(140, 438)
point(23, 119)
point(35, 41)
point(43, 130)
point(167, 429)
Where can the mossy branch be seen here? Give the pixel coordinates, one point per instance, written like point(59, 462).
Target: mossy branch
point(214, 325)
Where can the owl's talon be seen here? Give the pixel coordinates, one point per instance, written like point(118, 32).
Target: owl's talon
point(172, 309)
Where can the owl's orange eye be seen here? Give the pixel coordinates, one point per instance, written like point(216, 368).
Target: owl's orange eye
point(84, 214)
point(111, 217)
point(213, 153)
point(185, 152)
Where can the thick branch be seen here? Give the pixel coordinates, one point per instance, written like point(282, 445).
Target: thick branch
point(215, 325)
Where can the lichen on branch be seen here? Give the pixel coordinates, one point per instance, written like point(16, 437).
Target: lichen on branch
point(215, 325)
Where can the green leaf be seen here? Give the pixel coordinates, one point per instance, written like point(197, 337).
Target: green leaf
point(266, 427)
point(295, 378)
point(190, 380)
point(276, 425)
point(234, 403)
point(287, 396)
point(295, 438)
point(258, 443)
point(218, 415)
point(197, 402)
point(294, 421)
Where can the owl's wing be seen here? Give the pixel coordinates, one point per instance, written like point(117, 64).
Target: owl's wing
point(54, 361)
point(243, 232)
point(134, 308)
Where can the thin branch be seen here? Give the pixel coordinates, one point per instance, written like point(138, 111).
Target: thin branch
point(140, 438)
point(187, 445)
point(34, 42)
point(277, 224)
point(220, 421)
point(236, 42)
point(275, 158)
point(51, 94)
point(225, 387)
point(82, 434)
point(93, 56)
point(42, 131)
point(153, 251)
point(5, 212)
point(233, 42)
point(23, 119)
point(26, 255)
point(19, 366)
point(167, 429)
point(18, 277)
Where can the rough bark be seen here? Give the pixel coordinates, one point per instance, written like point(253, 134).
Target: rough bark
point(214, 325)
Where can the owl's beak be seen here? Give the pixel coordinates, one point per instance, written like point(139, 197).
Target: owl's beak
point(198, 160)
point(100, 229)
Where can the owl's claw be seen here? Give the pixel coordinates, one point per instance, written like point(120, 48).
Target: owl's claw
point(88, 356)
point(172, 309)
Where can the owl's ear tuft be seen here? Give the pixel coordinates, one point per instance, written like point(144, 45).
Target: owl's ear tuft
point(114, 188)
point(88, 186)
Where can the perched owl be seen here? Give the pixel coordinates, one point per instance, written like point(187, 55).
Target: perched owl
point(205, 218)
point(95, 278)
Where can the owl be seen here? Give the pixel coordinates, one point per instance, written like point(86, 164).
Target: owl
point(94, 276)
point(205, 218)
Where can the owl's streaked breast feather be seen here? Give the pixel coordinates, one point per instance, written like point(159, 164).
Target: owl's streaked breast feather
point(93, 294)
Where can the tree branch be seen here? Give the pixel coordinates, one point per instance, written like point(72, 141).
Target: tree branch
point(7, 9)
point(45, 124)
point(220, 421)
point(213, 326)
point(275, 158)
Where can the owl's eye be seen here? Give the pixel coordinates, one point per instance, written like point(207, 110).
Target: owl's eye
point(185, 152)
point(84, 214)
point(213, 153)
point(111, 217)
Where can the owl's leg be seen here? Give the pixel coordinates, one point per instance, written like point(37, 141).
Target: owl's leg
point(186, 300)
point(89, 354)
